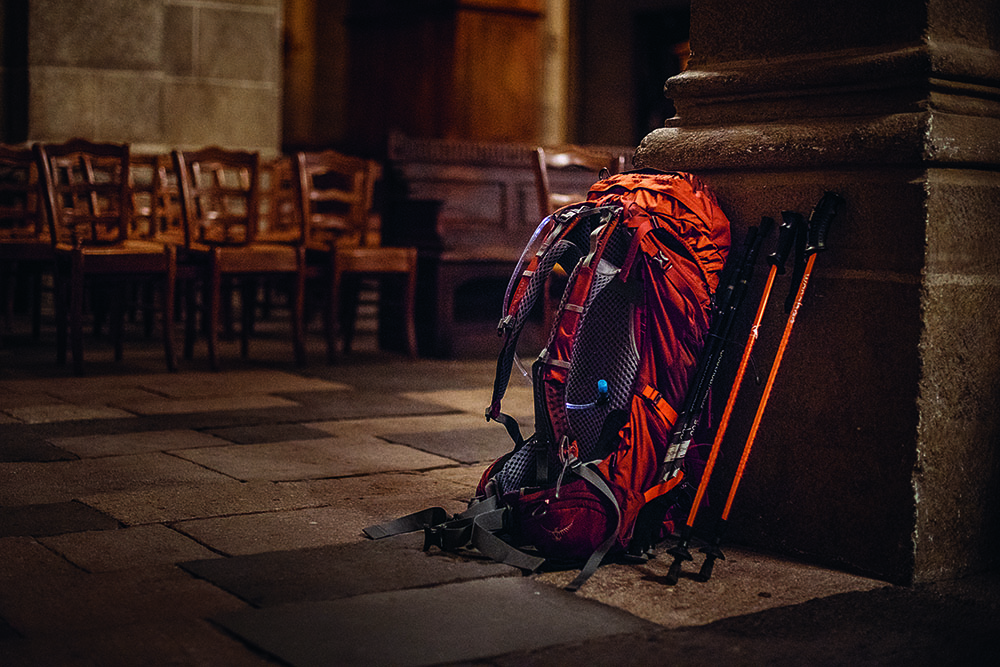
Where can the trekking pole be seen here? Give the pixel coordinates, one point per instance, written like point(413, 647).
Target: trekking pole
point(786, 235)
point(658, 497)
point(819, 224)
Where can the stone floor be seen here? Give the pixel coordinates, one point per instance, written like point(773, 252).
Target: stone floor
point(202, 518)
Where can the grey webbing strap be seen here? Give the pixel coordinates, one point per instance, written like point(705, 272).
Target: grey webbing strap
point(407, 524)
point(513, 428)
point(477, 527)
point(488, 544)
point(595, 558)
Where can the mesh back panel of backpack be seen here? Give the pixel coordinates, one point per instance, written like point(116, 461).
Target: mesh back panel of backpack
point(604, 349)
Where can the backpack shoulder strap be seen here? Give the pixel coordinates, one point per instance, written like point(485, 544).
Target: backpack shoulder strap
point(537, 274)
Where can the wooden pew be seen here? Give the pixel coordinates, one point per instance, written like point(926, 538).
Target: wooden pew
point(470, 208)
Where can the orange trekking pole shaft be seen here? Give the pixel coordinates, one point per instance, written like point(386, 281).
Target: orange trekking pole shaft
point(786, 235)
point(819, 224)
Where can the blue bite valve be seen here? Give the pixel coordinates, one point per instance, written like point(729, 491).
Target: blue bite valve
point(602, 392)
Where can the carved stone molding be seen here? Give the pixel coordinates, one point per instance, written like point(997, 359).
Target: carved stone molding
point(904, 139)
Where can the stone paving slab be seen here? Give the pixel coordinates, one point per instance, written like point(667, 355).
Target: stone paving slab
point(211, 404)
point(93, 446)
point(31, 448)
point(52, 519)
point(186, 643)
point(38, 400)
point(17, 394)
point(366, 404)
point(60, 412)
point(427, 626)
point(311, 459)
point(223, 496)
point(270, 531)
point(364, 500)
point(60, 481)
point(350, 428)
point(745, 582)
point(469, 445)
point(25, 558)
point(381, 373)
point(928, 625)
point(339, 571)
point(251, 435)
point(53, 606)
point(353, 504)
point(140, 546)
point(192, 385)
point(518, 401)
point(108, 397)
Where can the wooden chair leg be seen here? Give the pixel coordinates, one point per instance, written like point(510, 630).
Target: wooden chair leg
point(36, 304)
point(76, 313)
point(248, 303)
point(213, 297)
point(190, 317)
point(117, 295)
point(410, 313)
point(298, 308)
point(333, 314)
point(169, 297)
point(226, 291)
point(349, 311)
point(148, 296)
point(61, 285)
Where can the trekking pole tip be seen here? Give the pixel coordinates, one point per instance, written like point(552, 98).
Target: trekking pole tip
point(706, 569)
point(674, 573)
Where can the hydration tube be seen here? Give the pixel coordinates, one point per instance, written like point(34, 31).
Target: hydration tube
point(602, 398)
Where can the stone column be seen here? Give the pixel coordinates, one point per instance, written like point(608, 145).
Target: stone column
point(879, 451)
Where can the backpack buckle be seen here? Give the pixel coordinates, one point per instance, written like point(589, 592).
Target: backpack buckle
point(505, 325)
point(432, 538)
point(568, 451)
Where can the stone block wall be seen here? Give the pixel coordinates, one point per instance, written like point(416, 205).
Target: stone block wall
point(159, 74)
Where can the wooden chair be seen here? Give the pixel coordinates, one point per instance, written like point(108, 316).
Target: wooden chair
point(550, 165)
point(25, 247)
point(343, 235)
point(220, 203)
point(549, 161)
point(88, 200)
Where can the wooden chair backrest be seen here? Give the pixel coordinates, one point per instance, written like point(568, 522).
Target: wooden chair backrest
point(21, 217)
point(336, 194)
point(548, 160)
point(88, 199)
point(156, 209)
point(220, 195)
point(280, 220)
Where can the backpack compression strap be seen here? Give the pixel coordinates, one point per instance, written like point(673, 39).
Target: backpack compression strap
point(476, 527)
point(597, 481)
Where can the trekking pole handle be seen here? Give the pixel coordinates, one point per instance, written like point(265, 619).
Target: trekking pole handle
point(786, 237)
point(819, 222)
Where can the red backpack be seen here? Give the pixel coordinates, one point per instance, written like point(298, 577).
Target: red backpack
point(646, 251)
